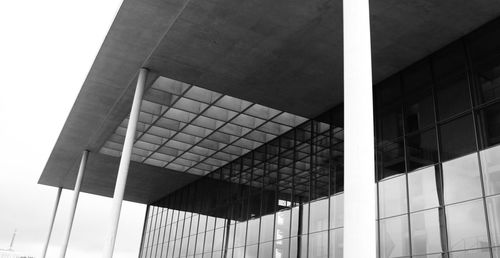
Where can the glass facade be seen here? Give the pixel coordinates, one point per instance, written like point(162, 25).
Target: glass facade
point(437, 166)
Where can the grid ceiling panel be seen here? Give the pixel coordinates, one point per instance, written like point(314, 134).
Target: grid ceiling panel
point(195, 130)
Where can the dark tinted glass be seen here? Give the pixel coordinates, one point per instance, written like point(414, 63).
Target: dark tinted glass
point(421, 149)
point(452, 96)
point(449, 61)
point(457, 137)
point(419, 110)
point(391, 159)
point(389, 124)
point(487, 77)
point(489, 120)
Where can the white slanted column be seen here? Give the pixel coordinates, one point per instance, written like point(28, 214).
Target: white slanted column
point(52, 220)
point(359, 161)
point(121, 179)
point(74, 202)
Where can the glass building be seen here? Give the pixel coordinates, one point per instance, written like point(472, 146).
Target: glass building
point(287, 129)
point(438, 174)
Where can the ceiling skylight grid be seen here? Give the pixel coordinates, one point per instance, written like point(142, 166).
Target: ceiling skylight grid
point(191, 129)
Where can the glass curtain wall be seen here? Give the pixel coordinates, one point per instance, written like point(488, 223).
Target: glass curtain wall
point(438, 159)
point(282, 200)
point(437, 165)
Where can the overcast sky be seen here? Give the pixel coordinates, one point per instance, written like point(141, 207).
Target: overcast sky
point(46, 50)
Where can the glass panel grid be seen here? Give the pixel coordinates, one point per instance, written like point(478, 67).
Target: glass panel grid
point(195, 130)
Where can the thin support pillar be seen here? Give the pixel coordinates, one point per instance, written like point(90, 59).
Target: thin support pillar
point(121, 179)
point(74, 202)
point(359, 161)
point(52, 220)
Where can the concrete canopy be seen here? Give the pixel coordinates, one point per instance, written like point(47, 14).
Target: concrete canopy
point(285, 54)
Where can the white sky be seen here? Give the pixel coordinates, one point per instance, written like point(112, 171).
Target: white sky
point(46, 50)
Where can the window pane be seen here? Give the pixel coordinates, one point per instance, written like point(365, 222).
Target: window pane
point(392, 197)
point(253, 231)
point(337, 243)
point(337, 211)
point(319, 215)
point(251, 251)
point(493, 204)
point(457, 138)
point(466, 226)
point(265, 250)
point(239, 239)
point(496, 252)
point(452, 96)
point(282, 224)
point(461, 179)
point(490, 164)
point(318, 245)
point(488, 78)
point(266, 228)
point(281, 248)
point(421, 149)
point(481, 253)
point(391, 159)
point(422, 189)
point(489, 119)
point(394, 238)
point(425, 232)
point(389, 124)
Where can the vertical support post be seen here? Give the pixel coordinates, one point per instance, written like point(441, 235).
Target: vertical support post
point(76, 194)
point(121, 179)
point(52, 220)
point(359, 179)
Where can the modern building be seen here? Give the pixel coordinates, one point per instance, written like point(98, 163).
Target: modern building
point(249, 128)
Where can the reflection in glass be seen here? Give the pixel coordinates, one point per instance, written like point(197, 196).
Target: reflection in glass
point(419, 111)
point(266, 228)
point(461, 128)
point(480, 253)
point(422, 189)
point(318, 245)
point(488, 79)
point(251, 251)
point(425, 232)
point(452, 96)
point(266, 249)
point(391, 158)
point(253, 231)
point(493, 205)
point(489, 119)
point(281, 248)
point(337, 243)
point(490, 164)
point(496, 252)
point(394, 238)
point(421, 149)
point(466, 226)
point(319, 215)
point(392, 196)
point(282, 224)
point(337, 211)
point(461, 179)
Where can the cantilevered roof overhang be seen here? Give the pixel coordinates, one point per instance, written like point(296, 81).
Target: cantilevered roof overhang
point(283, 54)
